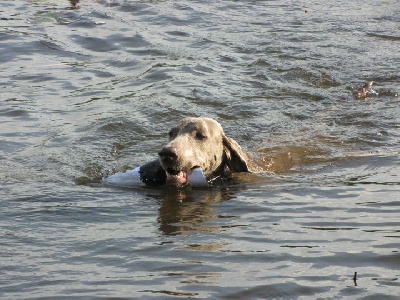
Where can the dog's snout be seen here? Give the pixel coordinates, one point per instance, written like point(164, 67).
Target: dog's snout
point(167, 154)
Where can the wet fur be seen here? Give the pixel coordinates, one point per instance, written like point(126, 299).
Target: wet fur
point(201, 142)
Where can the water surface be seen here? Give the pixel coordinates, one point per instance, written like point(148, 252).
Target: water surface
point(95, 87)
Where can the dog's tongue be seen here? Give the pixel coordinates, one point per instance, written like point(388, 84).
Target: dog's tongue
point(178, 179)
point(194, 177)
point(179, 175)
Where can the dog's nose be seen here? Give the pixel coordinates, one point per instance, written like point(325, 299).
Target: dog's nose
point(167, 154)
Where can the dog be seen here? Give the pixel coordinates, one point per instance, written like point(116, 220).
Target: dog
point(196, 142)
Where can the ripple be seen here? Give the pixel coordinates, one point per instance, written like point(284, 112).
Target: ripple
point(97, 87)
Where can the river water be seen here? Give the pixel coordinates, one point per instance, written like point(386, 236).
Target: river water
point(93, 87)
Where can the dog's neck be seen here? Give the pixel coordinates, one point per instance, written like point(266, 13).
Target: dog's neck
point(223, 169)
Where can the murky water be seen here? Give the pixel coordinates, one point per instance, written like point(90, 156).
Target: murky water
point(95, 87)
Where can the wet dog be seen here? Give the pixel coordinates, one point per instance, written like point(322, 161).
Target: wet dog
point(198, 152)
point(200, 143)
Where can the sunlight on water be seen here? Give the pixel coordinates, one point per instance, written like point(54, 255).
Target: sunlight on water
point(90, 88)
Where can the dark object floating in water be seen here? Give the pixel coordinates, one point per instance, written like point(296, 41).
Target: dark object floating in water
point(74, 3)
point(365, 91)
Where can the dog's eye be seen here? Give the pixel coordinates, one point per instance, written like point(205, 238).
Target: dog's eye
point(200, 135)
point(173, 132)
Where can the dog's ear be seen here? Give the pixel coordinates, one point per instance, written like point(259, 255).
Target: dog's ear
point(237, 160)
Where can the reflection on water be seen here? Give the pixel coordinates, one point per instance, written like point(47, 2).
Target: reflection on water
point(189, 210)
point(91, 86)
point(286, 158)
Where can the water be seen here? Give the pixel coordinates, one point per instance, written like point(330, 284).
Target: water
point(95, 88)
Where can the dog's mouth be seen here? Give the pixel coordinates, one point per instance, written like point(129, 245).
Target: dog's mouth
point(178, 178)
point(173, 172)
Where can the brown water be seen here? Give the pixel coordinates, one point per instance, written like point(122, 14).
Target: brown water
point(95, 88)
